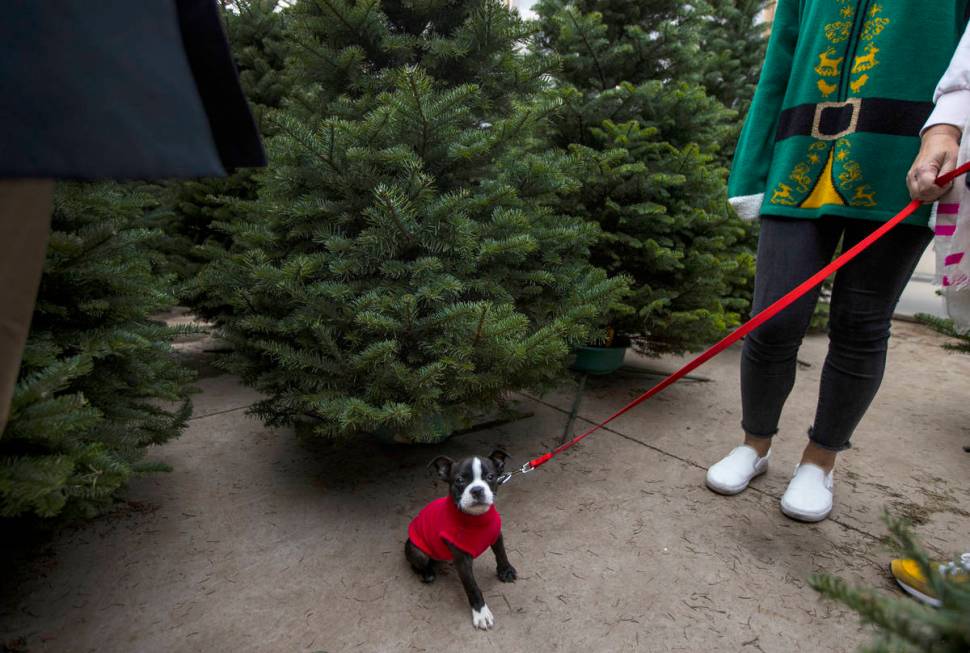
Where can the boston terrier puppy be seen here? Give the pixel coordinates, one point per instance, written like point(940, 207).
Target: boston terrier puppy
point(461, 526)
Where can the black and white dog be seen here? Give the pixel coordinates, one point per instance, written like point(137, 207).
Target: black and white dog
point(461, 526)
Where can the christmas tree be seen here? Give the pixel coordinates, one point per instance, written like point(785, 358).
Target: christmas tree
point(257, 35)
point(192, 212)
point(616, 41)
point(734, 39)
point(99, 382)
point(646, 134)
point(404, 267)
point(903, 625)
point(734, 42)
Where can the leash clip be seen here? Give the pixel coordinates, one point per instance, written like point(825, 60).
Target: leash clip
point(506, 477)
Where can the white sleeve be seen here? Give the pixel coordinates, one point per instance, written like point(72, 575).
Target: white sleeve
point(952, 96)
point(748, 207)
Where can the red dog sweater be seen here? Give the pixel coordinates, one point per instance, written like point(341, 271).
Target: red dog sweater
point(441, 520)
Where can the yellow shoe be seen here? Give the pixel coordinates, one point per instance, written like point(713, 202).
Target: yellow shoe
point(910, 577)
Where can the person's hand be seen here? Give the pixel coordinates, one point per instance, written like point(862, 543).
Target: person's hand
point(937, 156)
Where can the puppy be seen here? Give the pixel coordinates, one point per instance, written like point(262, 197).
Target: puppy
point(461, 526)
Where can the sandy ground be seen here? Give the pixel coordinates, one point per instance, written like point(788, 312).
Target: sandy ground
point(257, 542)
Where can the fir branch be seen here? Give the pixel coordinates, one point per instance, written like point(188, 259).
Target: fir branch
point(355, 29)
point(327, 160)
point(589, 49)
point(481, 323)
point(416, 96)
point(391, 209)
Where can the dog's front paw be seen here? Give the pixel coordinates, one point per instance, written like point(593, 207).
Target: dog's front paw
point(507, 574)
point(483, 618)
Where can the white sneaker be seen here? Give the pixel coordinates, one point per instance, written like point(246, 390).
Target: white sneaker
point(732, 473)
point(809, 494)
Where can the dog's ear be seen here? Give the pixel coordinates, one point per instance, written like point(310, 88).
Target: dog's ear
point(498, 458)
point(442, 466)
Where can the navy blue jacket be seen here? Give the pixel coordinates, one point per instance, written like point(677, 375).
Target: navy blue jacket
point(120, 89)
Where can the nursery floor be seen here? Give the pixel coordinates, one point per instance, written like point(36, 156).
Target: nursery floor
point(258, 543)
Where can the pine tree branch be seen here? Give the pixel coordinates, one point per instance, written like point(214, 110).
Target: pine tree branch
point(420, 109)
point(481, 324)
point(342, 19)
point(326, 160)
point(313, 51)
point(486, 40)
point(372, 49)
point(369, 10)
point(395, 216)
point(297, 98)
point(371, 137)
point(331, 147)
point(640, 54)
point(589, 48)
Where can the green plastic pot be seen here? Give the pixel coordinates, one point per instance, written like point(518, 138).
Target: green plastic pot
point(598, 360)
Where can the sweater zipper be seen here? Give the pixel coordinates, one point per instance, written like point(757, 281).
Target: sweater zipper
point(852, 49)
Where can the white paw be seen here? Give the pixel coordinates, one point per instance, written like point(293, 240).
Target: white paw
point(483, 618)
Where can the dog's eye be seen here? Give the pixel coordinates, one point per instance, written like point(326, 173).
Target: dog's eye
point(490, 477)
point(460, 480)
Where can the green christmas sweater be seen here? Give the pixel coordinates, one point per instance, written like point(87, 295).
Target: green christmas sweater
point(846, 88)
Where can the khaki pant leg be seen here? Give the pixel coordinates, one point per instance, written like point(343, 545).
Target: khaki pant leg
point(25, 217)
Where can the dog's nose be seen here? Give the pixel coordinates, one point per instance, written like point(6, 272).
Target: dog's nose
point(477, 493)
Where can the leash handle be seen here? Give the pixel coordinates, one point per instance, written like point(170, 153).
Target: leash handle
point(756, 321)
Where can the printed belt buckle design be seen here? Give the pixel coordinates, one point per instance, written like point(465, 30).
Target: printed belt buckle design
point(833, 122)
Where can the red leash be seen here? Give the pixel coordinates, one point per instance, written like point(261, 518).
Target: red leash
point(750, 325)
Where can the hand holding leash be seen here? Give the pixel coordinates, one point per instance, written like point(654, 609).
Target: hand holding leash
point(937, 156)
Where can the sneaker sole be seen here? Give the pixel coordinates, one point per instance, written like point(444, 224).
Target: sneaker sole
point(731, 491)
point(807, 517)
point(916, 594)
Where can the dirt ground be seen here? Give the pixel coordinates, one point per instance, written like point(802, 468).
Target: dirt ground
point(256, 542)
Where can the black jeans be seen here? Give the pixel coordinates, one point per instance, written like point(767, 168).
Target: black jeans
point(863, 300)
